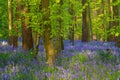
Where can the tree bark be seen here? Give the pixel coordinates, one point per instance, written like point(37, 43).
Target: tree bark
point(15, 24)
point(116, 21)
point(72, 24)
point(59, 38)
point(110, 37)
point(95, 14)
point(10, 22)
point(102, 24)
point(37, 42)
point(48, 44)
point(85, 29)
point(27, 41)
point(90, 22)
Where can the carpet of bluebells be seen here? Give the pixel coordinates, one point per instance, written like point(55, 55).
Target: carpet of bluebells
point(83, 61)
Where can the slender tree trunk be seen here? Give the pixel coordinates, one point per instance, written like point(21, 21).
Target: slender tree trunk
point(37, 42)
point(90, 22)
point(116, 21)
point(85, 29)
point(27, 41)
point(48, 44)
point(37, 37)
point(62, 43)
point(109, 38)
point(95, 14)
point(58, 42)
point(15, 24)
point(59, 39)
point(72, 25)
point(102, 25)
point(10, 22)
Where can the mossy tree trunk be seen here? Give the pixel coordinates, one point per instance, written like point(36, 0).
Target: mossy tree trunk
point(48, 44)
point(10, 22)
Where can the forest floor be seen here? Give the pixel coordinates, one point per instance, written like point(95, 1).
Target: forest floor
point(83, 61)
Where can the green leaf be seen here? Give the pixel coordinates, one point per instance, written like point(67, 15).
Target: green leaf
point(117, 34)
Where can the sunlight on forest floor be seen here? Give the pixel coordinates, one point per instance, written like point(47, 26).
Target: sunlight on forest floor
point(83, 61)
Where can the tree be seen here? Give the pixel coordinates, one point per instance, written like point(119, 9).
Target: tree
point(72, 23)
point(116, 21)
point(102, 19)
point(15, 23)
point(13, 26)
point(59, 37)
point(37, 32)
point(10, 22)
point(48, 44)
point(85, 29)
point(27, 41)
point(90, 21)
point(94, 20)
point(110, 36)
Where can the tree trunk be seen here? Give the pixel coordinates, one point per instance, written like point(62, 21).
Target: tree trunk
point(95, 14)
point(27, 41)
point(36, 38)
point(90, 22)
point(62, 43)
point(102, 25)
point(85, 29)
point(59, 39)
point(37, 45)
point(37, 42)
point(116, 21)
point(15, 24)
point(48, 44)
point(10, 22)
point(110, 37)
point(72, 24)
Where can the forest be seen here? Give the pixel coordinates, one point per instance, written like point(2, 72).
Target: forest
point(59, 39)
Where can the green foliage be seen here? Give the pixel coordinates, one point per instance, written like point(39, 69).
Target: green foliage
point(106, 56)
point(24, 76)
point(80, 58)
point(20, 57)
point(61, 11)
point(115, 75)
point(3, 19)
point(117, 31)
point(50, 69)
point(3, 59)
point(116, 2)
point(3, 32)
